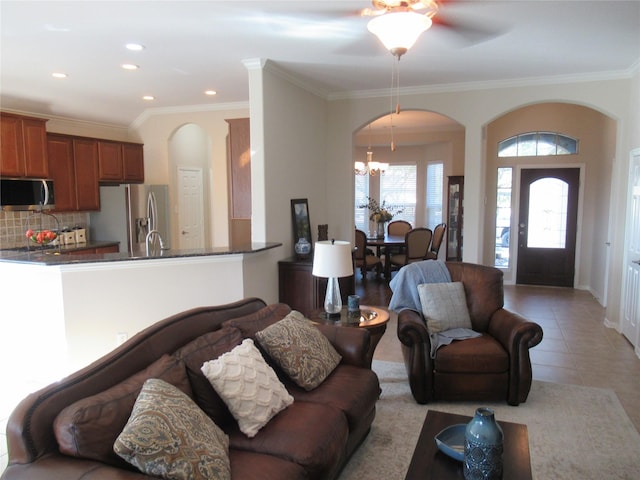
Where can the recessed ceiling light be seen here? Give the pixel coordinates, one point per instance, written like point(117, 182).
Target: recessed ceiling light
point(130, 66)
point(149, 97)
point(134, 47)
point(59, 75)
point(210, 92)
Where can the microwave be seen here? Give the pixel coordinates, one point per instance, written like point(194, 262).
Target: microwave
point(26, 194)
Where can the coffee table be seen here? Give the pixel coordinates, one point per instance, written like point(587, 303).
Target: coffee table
point(374, 319)
point(430, 463)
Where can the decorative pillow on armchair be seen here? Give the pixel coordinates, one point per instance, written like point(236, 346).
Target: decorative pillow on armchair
point(300, 350)
point(168, 436)
point(444, 306)
point(248, 385)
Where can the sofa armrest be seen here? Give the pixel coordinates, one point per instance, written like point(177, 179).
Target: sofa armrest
point(416, 348)
point(351, 343)
point(517, 335)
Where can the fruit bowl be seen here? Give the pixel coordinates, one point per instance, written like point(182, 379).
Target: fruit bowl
point(41, 237)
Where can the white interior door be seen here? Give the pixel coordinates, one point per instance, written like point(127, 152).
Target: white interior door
point(190, 208)
point(631, 300)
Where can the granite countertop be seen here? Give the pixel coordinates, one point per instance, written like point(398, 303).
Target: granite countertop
point(64, 254)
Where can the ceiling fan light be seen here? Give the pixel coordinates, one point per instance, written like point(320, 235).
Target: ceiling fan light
point(398, 31)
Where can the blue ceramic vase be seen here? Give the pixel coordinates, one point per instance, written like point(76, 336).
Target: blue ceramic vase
point(302, 248)
point(483, 442)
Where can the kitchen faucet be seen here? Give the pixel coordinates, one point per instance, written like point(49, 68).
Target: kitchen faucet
point(148, 240)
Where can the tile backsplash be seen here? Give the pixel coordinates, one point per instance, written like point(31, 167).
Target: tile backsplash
point(13, 225)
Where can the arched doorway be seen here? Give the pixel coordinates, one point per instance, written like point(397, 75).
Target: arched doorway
point(595, 133)
point(429, 148)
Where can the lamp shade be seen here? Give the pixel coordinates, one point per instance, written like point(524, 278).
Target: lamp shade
point(399, 30)
point(332, 259)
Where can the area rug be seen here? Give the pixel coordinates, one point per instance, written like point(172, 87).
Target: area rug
point(575, 432)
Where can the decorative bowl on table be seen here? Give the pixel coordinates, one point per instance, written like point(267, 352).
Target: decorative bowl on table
point(41, 237)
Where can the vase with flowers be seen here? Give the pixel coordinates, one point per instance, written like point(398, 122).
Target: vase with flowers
point(380, 214)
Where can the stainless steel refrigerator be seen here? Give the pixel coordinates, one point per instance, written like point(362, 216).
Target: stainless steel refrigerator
point(128, 213)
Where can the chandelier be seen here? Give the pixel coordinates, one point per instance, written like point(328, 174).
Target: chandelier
point(370, 167)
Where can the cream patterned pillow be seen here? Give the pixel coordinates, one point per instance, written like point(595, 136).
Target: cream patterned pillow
point(300, 349)
point(249, 387)
point(168, 436)
point(444, 306)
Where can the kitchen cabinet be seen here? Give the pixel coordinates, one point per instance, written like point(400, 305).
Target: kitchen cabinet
point(74, 170)
point(455, 216)
point(120, 162)
point(239, 168)
point(299, 289)
point(23, 146)
point(89, 251)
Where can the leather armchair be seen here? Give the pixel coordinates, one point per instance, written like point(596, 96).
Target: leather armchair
point(494, 366)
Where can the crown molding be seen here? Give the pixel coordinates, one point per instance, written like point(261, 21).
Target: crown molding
point(492, 84)
point(306, 85)
point(207, 107)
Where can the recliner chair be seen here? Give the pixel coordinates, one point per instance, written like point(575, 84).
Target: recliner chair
point(494, 366)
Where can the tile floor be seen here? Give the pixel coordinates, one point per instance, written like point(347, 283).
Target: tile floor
point(577, 348)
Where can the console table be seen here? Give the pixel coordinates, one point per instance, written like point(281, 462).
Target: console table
point(299, 289)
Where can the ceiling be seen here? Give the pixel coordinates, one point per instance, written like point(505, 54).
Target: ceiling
point(191, 46)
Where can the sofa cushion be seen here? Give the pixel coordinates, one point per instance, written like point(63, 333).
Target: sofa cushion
point(249, 325)
point(352, 390)
point(444, 306)
point(309, 434)
point(258, 466)
point(89, 427)
point(299, 349)
point(204, 348)
point(480, 355)
point(168, 436)
point(249, 387)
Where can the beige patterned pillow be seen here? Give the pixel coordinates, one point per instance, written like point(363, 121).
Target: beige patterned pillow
point(249, 387)
point(300, 349)
point(444, 306)
point(168, 436)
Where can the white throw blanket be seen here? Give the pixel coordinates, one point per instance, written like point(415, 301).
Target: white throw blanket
point(405, 296)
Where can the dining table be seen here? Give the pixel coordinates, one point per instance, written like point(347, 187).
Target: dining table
point(386, 242)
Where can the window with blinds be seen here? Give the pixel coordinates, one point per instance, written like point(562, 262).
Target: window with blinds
point(398, 190)
point(362, 192)
point(434, 194)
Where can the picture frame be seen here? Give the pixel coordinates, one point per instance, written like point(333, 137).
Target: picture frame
point(300, 220)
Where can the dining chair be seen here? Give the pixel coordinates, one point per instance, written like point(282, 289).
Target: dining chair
point(436, 241)
point(364, 260)
point(397, 228)
point(417, 242)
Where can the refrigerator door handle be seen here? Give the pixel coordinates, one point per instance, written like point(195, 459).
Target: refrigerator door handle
point(152, 212)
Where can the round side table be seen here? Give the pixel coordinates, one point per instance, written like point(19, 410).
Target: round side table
point(374, 319)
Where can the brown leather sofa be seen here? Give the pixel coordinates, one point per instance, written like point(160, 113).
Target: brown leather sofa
point(494, 366)
point(313, 438)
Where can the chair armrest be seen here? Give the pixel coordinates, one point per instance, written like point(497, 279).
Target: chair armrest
point(351, 343)
point(517, 335)
point(416, 350)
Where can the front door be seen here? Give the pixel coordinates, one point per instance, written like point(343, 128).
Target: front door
point(547, 226)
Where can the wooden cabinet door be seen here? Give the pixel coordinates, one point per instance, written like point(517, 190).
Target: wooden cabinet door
point(11, 147)
point(62, 169)
point(34, 135)
point(133, 162)
point(85, 154)
point(110, 161)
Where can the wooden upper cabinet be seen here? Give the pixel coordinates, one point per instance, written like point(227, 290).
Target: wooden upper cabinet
point(23, 146)
point(133, 162)
point(110, 161)
point(120, 162)
point(60, 151)
point(85, 155)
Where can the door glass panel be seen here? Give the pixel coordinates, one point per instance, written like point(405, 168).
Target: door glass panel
point(503, 217)
point(548, 198)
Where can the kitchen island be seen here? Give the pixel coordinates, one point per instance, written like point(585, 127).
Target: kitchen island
point(60, 312)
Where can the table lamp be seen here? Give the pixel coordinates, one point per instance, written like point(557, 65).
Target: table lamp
point(332, 260)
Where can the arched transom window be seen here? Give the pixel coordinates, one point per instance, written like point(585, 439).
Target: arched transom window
point(535, 144)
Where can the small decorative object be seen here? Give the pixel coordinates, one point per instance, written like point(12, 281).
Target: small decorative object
point(302, 247)
point(483, 443)
point(353, 306)
point(380, 214)
point(41, 237)
point(323, 232)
